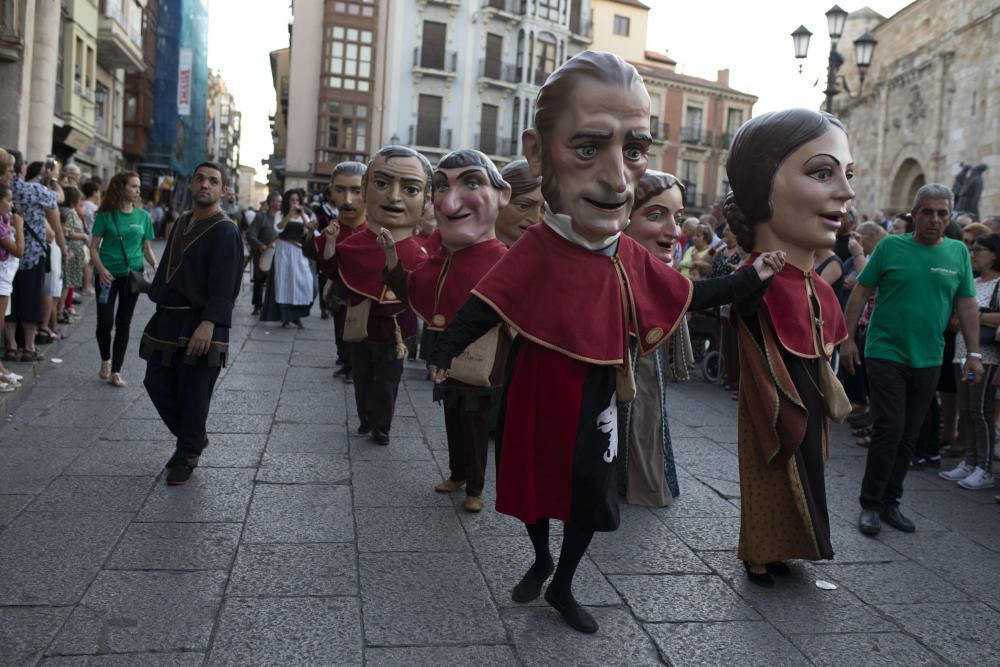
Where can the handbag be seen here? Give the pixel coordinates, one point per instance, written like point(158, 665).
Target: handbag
point(138, 281)
point(266, 258)
point(356, 322)
point(475, 365)
point(838, 406)
point(45, 247)
point(987, 334)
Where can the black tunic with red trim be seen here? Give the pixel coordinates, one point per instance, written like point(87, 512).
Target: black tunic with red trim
point(573, 309)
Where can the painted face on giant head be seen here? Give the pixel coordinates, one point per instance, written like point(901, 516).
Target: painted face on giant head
point(395, 193)
point(525, 207)
point(653, 223)
point(595, 151)
point(346, 195)
point(467, 199)
point(810, 192)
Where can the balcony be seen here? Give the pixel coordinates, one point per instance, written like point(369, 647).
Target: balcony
point(492, 144)
point(696, 136)
point(118, 45)
point(441, 63)
point(582, 30)
point(660, 131)
point(11, 42)
point(508, 10)
point(694, 200)
point(499, 73)
point(726, 140)
point(430, 136)
point(539, 76)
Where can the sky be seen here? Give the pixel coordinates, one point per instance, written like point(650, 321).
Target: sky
point(752, 39)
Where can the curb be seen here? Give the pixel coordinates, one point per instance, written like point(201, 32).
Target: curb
point(33, 371)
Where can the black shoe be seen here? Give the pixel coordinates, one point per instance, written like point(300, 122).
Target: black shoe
point(297, 322)
point(918, 464)
point(348, 378)
point(763, 580)
point(530, 586)
point(779, 568)
point(868, 522)
point(324, 315)
point(576, 616)
point(256, 312)
point(933, 461)
point(340, 371)
point(179, 473)
point(364, 429)
point(380, 438)
point(284, 325)
point(895, 518)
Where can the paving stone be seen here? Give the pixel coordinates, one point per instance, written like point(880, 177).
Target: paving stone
point(176, 546)
point(409, 529)
point(403, 448)
point(179, 659)
point(397, 484)
point(298, 374)
point(300, 513)
point(26, 631)
point(259, 402)
point(681, 597)
point(122, 458)
point(434, 656)
point(288, 631)
point(329, 438)
point(440, 598)
point(143, 611)
point(78, 413)
point(707, 534)
point(310, 414)
point(890, 649)
point(239, 423)
point(504, 560)
point(304, 468)
point(137, 429)
point(264, 371)
point(31, 469)
point(732, 643)
point(286, 570)
point(697, 500)
point(19, 435)
point(49, 558)
point(964, 633)
point(850, 546)
point(643, 545)
point(93, 494)
point(213, 495)
point(894, 583)
point(542, 639)
point(11, 505)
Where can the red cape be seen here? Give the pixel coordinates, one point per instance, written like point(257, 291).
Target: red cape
point(438, 287)
point(431, 243)
point(582, 303)
point(790, 311)
point(361, 260)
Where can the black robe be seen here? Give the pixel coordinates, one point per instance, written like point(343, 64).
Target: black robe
point(198, 279)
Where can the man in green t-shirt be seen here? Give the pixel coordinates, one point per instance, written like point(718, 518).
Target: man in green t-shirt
point(921, 279)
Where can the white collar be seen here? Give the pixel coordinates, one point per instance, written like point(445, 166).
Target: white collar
point(563, 226)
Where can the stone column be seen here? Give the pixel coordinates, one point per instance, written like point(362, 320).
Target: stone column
point(41, 105)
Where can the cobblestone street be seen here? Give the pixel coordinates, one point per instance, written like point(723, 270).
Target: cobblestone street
point(299, 543)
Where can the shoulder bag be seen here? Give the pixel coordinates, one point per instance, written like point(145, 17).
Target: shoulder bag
point(138, 281)
point(475, 365)
point(356, 321)
point(45, 247)
point(266, 258)
point(987, 334)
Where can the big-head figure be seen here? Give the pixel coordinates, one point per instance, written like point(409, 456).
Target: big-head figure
point(395, 187)
point(468, 193)
point(525, 207)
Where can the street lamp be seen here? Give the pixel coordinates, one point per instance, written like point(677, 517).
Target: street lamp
point(864, 50)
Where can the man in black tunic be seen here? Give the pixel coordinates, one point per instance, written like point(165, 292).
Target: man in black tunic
point(186, 341)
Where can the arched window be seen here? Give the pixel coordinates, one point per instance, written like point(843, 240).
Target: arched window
point(545, 57)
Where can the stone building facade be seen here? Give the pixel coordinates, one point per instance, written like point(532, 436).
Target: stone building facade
point(931, 102)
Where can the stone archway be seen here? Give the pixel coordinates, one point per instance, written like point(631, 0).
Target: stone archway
point(909, 178)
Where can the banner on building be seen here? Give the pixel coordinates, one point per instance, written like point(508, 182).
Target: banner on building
point(184, 83)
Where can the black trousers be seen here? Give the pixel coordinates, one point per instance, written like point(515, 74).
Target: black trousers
point(343, 348)
point(108, 318)
point(182, 394)
point(467, 426)
point(900, 397)
point(377, 373)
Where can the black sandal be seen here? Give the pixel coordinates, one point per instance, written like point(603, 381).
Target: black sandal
point(761, 579)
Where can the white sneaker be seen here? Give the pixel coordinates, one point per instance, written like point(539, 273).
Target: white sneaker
point(958, 473)
point(6, 388)
point(979, 479)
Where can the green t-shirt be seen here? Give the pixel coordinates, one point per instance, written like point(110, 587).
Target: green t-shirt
point(917, 287)
point(135, 227)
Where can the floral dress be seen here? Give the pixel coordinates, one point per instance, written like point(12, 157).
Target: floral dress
point(74, 265)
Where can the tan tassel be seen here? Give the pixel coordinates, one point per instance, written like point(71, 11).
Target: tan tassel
point(400, 345)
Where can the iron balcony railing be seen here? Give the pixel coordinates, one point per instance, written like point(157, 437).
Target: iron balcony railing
point(498, 71)
point(430, 136)
point(494, 144)
point(696, 135)
point(439, 61)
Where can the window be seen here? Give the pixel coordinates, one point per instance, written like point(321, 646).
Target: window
point(689, 174)
point(488, 129)
point(345, 131)
point(78, 64)
point(347, 59)
point(356, 8)
point(515, 125)
point(693, 119)
point(545, 50)
point(548, 10)
point(734, 118)
point(494, 48)
point(88, 82)
point(101, 110)
point(429, 120)
point(621, 26)
point(432, 45)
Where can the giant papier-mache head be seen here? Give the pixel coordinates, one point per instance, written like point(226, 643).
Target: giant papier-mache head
point(468, 193)
point(590, 141)
point(396, 184)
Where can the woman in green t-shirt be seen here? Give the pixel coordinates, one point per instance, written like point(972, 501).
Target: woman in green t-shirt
point(128, 231)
